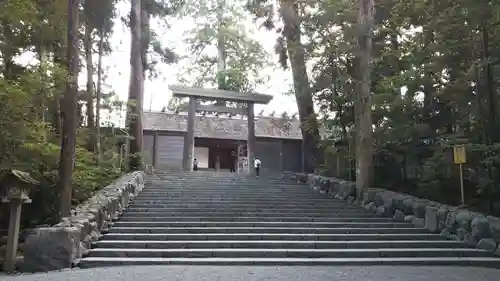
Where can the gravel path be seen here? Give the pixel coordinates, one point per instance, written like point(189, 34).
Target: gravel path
point(240, 273)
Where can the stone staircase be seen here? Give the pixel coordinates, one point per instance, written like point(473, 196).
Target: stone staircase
point(204, 218)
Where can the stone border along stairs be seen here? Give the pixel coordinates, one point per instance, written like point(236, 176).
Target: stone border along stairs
point(453, 223)
point(62, 245)
point(224, 219)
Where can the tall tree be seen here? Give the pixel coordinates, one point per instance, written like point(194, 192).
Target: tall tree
point(223, 52)
point(69, 111)
point(363, 105)
point(136, 87)
point(296, 55)
point(88, 42)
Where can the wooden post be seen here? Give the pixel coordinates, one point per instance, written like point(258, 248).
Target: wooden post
point(460, 157)
point(462, 183)
point(338, 164)
point(303, 155)
point(189, 137)
point(251, 136)
point(281, 156)
point(155, 144)
point(12, 240)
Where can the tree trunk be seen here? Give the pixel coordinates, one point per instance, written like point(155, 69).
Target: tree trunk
point(134, 112)
point(145, 14)
point(363, 111)
point(221, 51)
point(69, 111)
point(44, 89)
point(98, 97)
point(55, 103)
point(303, 95)
point(90, 83)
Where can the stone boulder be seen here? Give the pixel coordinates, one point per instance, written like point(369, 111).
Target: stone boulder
point(447, 232)
point(60, 246)
point(399, 216)
point(52, 248)
point(409, 219)
point(418, 222)
point(442, 213)
point(480, 228)
point(371, 207)
point(408, 206)
point(369, 196)
point(380, 211)
point(301, 178)
point(431, 218)
point(488, 244)
point(419, 208)
point(463, 219)
point(494, 224)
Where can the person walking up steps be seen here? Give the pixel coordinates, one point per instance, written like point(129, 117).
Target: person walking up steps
point(195, 164)
point(257, 165)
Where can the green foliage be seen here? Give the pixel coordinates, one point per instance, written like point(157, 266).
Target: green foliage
point(435, 82)
point(29, 106)
point(220, 27)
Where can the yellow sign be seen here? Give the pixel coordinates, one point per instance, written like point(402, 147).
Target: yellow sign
point(459, 156)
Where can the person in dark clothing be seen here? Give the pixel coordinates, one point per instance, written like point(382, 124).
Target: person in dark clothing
point(195, 164)
point(233, 161)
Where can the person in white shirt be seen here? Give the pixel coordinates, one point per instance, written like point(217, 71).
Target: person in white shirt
point(257, 165)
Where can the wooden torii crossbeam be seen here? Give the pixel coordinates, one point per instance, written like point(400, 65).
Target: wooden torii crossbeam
point(220, 95)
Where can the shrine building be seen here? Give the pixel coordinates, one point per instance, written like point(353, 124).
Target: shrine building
point(221, 137)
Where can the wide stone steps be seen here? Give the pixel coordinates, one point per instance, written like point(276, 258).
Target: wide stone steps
point(276, 244)
point(145, 217)
point(288, 253)
point(204, 218)
point(426, 261)
point(284, 230)
point(148, 224)
point(244, 214)
point(271, 236)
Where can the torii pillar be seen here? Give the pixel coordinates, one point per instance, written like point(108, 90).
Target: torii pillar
point(251, 137)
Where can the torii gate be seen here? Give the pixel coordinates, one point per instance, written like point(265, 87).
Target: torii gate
point(250, 99)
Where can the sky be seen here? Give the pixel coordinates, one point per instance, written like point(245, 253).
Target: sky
point(156, 93)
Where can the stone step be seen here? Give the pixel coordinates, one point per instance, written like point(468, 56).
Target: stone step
point(226, 209)
point(156, 223)
point(160, 212)
point(264, 213)
point(268, 197)
point(226, 200)
point(286, 230)
point(233, 183)
point(145, 217)
point(272, 195)
point(204, 218)
point(269, 216)
point(270, 236)
point(159, 203)
point(283, 244)
point(238, 207)
point(219, 189)
point(427, 261)
point(289, 253)
point(236, 187)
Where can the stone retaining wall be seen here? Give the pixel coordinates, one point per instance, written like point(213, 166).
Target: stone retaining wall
point(452, 222)
point(62, 245)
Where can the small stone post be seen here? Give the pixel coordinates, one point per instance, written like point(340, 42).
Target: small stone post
point(15, 186)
